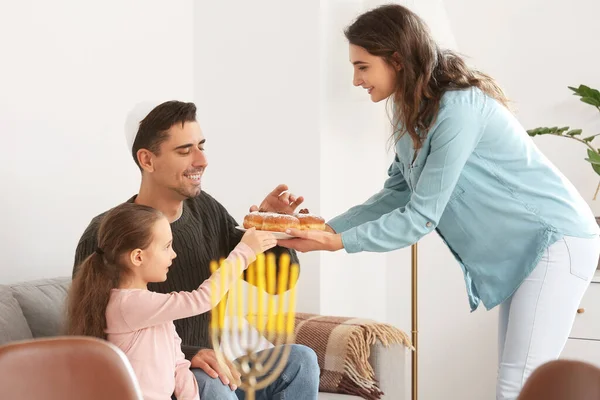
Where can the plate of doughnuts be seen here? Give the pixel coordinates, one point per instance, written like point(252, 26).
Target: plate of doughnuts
point(278, 223)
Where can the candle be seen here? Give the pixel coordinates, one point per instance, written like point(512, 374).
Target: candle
point(250, 277)
point(231, 297)
point(239, 297)
point(213, 296)
point(292, 301)
point(282, 281)
point(271, 293)
point(224, 271)
point(260, 280)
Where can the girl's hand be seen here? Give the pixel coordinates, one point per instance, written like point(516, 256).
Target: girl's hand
point(259, 241)
point(312, 240)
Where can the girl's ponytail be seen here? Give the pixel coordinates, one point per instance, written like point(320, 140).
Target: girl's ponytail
point(89, 295)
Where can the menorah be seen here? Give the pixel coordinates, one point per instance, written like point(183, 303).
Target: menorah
point(257, 371)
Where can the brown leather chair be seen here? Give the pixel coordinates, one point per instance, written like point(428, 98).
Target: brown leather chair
point(66, 368)
point(563, 380)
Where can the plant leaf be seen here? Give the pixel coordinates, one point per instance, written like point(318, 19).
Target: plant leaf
point(593, 93)
point(596, 168)
point(594, 157)
point(543, 130)
point(536, 131)
point(578, 91)
point(574, 132)
point(586, 91)
point(592, 161)
point(590, 100)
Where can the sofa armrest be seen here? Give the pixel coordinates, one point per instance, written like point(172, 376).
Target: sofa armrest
point(391, 365)
point(359, 357)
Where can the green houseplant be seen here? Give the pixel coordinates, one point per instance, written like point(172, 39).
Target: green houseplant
point(589, 96)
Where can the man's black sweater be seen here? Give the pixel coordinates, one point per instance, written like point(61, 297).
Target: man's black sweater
point(204, 232)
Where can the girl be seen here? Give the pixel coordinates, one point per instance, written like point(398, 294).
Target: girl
point(523, 236)
point(109, 298)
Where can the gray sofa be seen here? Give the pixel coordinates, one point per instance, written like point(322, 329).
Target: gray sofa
point(36, 309)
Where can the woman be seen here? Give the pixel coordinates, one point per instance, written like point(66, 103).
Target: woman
point(464, 166)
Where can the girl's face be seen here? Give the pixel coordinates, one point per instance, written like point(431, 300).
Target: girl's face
point(373, 73)
point(152, 264)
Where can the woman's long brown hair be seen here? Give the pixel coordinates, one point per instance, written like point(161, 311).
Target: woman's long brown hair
point(123, 229)
point(398, 35)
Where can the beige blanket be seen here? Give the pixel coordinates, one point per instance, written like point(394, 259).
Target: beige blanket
point(343, 346)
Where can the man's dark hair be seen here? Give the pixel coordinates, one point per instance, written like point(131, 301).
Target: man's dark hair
point(153, 128)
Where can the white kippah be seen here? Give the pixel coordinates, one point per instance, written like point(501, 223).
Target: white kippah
point(134, 117)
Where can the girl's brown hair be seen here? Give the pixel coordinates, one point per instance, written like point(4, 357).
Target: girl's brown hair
point(123, 229)
point(399, 36)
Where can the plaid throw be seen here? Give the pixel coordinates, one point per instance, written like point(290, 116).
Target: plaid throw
point(343, 346)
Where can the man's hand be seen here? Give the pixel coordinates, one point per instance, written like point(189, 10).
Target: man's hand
point(279, 201)
point(312, 240)
point(206, 360)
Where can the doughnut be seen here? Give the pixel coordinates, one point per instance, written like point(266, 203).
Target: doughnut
point(279, 222)
point(254, 220)
point(269, 221)
point(310, 221)
point(275, 222)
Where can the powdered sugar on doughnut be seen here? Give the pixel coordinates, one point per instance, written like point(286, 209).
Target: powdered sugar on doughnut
point(273, 214)
point(297, 215)
point(283, 216)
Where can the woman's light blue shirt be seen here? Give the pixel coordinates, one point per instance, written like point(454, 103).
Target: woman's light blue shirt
point(482, 184)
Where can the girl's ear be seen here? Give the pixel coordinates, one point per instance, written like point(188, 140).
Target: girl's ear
point(396, 62)
point(136, 257)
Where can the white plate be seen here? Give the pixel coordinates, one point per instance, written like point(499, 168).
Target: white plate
point(278, 235)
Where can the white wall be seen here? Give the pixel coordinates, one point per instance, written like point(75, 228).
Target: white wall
point(257, 89)
point(276, 104)
point(353, 167)
point(67, 83)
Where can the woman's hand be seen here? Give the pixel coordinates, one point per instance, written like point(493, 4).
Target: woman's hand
point(312, 240)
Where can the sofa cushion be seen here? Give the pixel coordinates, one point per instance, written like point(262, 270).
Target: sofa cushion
point(13, 325)
point(43, 304)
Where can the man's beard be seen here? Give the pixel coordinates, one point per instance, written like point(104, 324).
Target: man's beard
point(188, 193)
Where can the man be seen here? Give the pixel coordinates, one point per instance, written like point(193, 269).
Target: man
point(167, 144)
